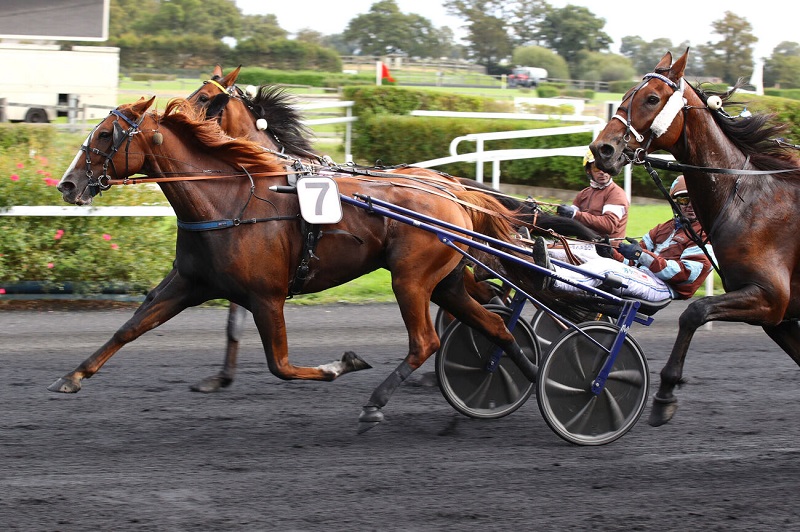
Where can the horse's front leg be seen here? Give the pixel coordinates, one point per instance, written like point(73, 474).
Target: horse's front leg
point(224, 378)
point(172, 295)
point(749, 304)
point(268, 316)
point(422, 343)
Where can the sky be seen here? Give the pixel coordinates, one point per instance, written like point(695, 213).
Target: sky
point(676, 20)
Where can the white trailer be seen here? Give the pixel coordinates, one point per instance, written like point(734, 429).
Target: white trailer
point(43, 82)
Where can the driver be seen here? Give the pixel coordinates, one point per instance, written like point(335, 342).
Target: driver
point(666, 263)
point(602, 206)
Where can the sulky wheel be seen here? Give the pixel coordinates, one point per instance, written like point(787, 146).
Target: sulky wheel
point(564, 387)
point(548, 328)
point(464, 380)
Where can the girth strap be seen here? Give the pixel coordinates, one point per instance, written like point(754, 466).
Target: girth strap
point(311, 235)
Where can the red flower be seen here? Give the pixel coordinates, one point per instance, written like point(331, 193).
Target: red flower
point(14, 177)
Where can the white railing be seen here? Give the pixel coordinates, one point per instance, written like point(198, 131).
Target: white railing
point(481, 155)
point(348, 119)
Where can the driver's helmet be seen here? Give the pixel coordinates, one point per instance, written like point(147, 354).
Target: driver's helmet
point(678, 187)
point(588, 158)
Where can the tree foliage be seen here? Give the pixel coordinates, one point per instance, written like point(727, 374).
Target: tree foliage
point(573, 29)
point(783, 68)
point(731, 57)
point(541, 57)
point(385, 29)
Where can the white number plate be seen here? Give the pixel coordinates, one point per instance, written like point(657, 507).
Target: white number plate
point(319, 200)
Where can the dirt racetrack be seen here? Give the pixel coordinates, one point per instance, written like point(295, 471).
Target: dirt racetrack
point(136, 450)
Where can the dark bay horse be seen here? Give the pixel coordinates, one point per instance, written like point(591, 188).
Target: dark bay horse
point(241, 241)
point(267, 116)
point(745, 188)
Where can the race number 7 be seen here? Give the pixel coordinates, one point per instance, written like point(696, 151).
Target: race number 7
point(319, 200)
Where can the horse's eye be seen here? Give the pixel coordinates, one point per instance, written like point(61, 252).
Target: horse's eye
point(653, 100)
point(104, 135)
point(202, 98)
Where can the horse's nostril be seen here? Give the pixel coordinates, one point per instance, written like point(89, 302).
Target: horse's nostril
point(65, 186)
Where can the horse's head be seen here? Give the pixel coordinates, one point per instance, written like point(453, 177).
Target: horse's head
point(265, 114)
point(106, 154)
point(215, 93)
point(649, 117)
point(222, 100)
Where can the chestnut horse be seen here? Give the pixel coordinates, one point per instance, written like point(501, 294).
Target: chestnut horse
point(745, 188)
point(266, 116)
point(241, 241)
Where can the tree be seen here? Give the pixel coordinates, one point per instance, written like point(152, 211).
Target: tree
point(599, 66)
point(525, 21)
point(385, 29)
point(731, 57)
point(262, 26)
point(213, 18)
point(783, 67)
point(309, 35)
point(538, 56)
point(573, 29)
point(487, 34)
point(644, 55)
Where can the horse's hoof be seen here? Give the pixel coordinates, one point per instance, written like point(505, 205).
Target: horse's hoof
point(662, 411)
point(370, 416)
point(353, 362)
point(211, 384)
point(63, 385)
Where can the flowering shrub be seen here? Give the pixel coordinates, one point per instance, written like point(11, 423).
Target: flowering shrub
point(134, 250)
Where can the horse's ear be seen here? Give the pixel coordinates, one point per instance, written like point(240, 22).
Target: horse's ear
point(230, 79)
point(217, 73)
point(676, 71)
point(141, 107)
point(665, 62)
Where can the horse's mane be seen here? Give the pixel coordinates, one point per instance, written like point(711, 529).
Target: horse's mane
point(189, 122)
point(755, 135)
point(274, 105)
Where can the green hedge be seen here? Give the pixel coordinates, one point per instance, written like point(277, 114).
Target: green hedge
point(27, 136)
point(136, 251)
point(263, 76)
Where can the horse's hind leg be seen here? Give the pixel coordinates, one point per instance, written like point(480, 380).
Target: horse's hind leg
point(423, 341)
point(170, 297)
point(224, 378)
point(268, 316)
point(787, 335)
point(451, 295)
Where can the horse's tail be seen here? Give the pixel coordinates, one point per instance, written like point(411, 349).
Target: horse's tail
point(488, 215)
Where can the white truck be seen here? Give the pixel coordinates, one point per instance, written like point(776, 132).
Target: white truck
point(528, 77)
point(43, 82)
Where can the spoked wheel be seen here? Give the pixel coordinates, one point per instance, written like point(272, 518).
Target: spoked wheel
point(443, 318)
point(564, 387)
point(548, 328)
point(464, 380)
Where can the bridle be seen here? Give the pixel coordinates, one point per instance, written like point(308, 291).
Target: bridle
point(660, 123)
point(118, 137)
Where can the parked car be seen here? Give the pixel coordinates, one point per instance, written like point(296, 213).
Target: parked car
point(526, 77)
